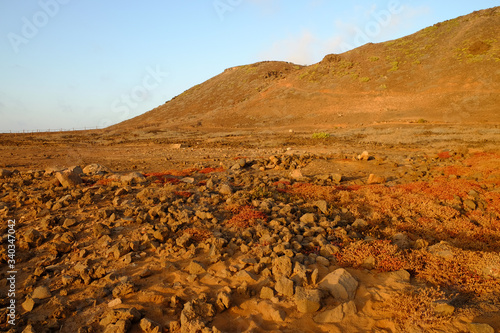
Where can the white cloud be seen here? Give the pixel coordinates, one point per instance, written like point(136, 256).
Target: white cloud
point(378, 24)
point(368, 24)
point(297, 49)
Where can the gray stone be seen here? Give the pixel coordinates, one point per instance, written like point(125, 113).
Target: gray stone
point(123, 289)
point(322, 205)
point(360, 223)
point(364, 156)
point(121, 326)
point(481, 328)
point(196, 268)
point(95, 169)
point(223, 301)
point(52, 170)
point(242, 162)
point(469, 204)
point(307, 301)
point(337, 314)
point(131, 314)
point(133, 177)
point(277, 315)
point(284, 286)
point(33, 237)
point(375, 179)
point(340, 284)
point(322, 261)
point(282, 266)
point(266, 293)
point(188, 180)
point(401, 240)
point(337, 178)
point(210, 184)
point(41, 292)
point(149, 326)
point(244, 275)
point(4, 173)
point(28, 329)
point(226, 189)
point(442, 249)
point(68, 179)
point(28, 304)
point(442, 308)
point(296, 174)
point(308, 218)
point(195, 315)
point(76, 169)
point(114, 302)
point(68, 223)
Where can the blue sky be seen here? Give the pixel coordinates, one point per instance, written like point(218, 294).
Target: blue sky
point(74, 64)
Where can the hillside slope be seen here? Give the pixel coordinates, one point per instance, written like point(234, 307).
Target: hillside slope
point(449, 72)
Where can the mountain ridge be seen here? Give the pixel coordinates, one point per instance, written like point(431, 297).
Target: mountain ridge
point(445, 73)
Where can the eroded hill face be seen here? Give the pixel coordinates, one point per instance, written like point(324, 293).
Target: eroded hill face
point(445, 73)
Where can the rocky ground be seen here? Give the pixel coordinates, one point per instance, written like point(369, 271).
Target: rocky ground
point(240, 241)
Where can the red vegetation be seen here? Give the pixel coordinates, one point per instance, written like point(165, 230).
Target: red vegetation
point(210, 170)
point(385, 256)
point(308, 250)
point(245, 216)
point(443, 189)
point(444, 155)
point(177, 173)
point(198, 235)
point(282, 182)
point(184, 194)
point(311, 191)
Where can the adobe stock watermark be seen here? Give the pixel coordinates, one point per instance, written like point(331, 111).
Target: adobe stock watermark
point(381, 19)
point(31, 27)
point(137, 95)
point(223, 6)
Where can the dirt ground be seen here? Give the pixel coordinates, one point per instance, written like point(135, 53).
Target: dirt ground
point(213, 226)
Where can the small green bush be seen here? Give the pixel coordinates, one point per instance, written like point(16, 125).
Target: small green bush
point(320, 135)
point(395, 66)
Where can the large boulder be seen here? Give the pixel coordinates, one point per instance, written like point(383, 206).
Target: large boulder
point(96, 169)
point(340, 284)
point(68, 178)
point(4, 173)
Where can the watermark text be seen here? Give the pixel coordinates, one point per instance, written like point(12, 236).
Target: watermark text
point(11, 272)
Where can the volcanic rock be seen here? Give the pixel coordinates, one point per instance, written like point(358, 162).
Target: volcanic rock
point(95, 169)
point(375, 179)
point(337, 314)
point(284, 286)
point(41, 292)
point(307, 301)
point(340, 284)
point(68, 179)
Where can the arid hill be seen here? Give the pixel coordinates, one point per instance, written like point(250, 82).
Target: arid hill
point(446, 73)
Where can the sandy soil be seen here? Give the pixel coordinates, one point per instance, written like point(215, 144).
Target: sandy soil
point(210, 219)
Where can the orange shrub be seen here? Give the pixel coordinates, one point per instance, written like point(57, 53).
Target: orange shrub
point(198, 235)
point(245, 216)
point(387, 256)
point(184, 194)
point(211, 170)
